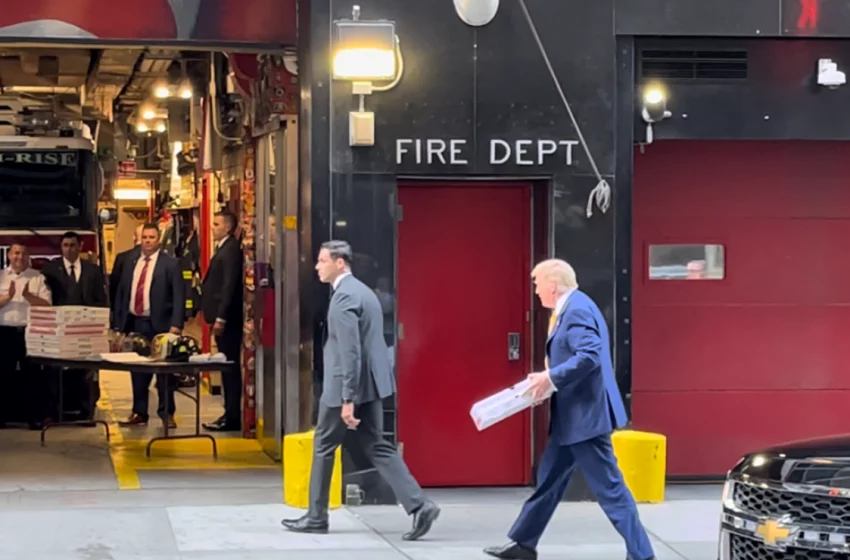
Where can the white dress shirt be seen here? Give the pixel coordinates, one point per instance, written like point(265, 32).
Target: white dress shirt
point(339, 279)
point(137, 273)
point(16, 312)
point(77, 268)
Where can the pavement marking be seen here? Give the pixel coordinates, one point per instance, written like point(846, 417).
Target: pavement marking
point(125, 475)
point(128, 453)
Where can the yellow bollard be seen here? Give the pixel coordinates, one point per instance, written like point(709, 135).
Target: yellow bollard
point(642, 457)
point(297, 461)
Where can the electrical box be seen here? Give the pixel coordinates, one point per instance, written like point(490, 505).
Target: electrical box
point(361, 128)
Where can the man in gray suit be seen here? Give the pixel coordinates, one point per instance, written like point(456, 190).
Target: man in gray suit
point(357, 377)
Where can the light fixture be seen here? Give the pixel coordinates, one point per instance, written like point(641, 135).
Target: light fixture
point(142, 127)
point(476, 13)
point(148, 114)
point(364, 52)
point(653, 108)
point(160, 126)
point(131, 194)
point(162, 91)
point(185, 91)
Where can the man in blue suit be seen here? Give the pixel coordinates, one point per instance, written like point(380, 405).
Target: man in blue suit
point(149, 300)
point(586, 408)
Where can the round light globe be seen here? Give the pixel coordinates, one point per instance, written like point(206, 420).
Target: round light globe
point(476, 13)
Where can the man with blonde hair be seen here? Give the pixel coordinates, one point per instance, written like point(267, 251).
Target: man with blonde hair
point(586, 408)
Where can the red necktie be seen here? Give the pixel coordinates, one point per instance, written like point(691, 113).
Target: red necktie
point(139, 300)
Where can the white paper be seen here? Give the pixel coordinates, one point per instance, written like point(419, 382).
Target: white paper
point(124, 357)
point(504, 404)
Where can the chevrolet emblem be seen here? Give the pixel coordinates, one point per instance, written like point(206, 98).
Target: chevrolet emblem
point(773, 533)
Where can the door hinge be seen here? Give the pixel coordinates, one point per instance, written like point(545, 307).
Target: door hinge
point(399, 213)
point(400, 331)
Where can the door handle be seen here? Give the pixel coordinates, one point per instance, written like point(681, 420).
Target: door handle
point(513, 346)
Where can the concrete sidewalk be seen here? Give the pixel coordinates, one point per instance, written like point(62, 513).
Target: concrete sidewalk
point(244, 525)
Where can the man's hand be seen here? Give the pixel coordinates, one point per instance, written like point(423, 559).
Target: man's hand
point(12, 290)
point(218, 327)
point(175, 330)
point(26, 294)
point(348, 415)
point(539, 387)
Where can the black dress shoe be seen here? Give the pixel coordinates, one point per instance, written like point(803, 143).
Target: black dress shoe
point(511, 551)
point(306, 524)
point(223, 426)
point(423, 518)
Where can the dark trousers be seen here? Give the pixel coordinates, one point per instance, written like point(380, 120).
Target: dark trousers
point(595, 457)
point(25, 389)
point(230, 344)
point(166, 383)
point(330, 432)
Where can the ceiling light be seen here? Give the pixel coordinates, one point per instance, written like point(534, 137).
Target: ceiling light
point(148, 114)
point(186, 90)
point(142, 127)
point(160, 127)
point(162, 91)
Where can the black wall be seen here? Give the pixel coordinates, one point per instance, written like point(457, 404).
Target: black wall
point(476, 85)
point(491, 82)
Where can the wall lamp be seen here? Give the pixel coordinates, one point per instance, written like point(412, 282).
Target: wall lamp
point(365, 52)
point(653, 108)
point(476, 13)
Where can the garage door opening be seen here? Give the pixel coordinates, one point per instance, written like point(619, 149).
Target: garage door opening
point(741, 298)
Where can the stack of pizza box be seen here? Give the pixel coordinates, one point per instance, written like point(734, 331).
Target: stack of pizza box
point(70, 332)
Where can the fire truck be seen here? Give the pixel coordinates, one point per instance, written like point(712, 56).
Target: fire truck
point(50, 180)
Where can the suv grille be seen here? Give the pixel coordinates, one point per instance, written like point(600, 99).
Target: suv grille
point(749, 549)
point(802, 508)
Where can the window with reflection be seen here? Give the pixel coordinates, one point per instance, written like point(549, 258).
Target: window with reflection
point(686, 262)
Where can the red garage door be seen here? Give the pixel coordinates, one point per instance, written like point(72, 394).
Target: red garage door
point(741, 296)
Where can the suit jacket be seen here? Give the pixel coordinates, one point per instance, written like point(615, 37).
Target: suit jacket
point(221, 290)
point(118, 266)
point(166, 294)
point(92, 288)
point(587, 403)
point(356, 359)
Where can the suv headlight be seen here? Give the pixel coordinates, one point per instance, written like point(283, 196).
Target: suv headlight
point(726, 496)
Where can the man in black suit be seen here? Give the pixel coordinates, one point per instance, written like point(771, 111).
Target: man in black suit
point(120, 263)
point(73, 281)
point(149, 300)
point(221, 303)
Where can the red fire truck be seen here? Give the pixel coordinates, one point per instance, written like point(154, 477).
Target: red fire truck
point(50, 180)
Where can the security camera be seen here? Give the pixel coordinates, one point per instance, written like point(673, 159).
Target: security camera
point(829, 75)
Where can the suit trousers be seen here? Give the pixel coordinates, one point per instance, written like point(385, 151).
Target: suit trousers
point(166, 383)
point(596, 459)
point(230, 344)
point(331, 430)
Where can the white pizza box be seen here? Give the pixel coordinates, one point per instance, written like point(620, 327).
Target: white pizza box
point(68, 313)
point(65, 343)
point(87, 350)
point(504, 404)
point(69, 339)
point(71, 354)
point(95, 330)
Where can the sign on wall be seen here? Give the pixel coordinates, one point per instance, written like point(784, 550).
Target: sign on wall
point(455, 151)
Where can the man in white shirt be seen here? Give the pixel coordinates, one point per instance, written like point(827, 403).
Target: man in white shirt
point(20, 287)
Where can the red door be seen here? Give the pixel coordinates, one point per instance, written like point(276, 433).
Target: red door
point(756, 355)
point(463, 286)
